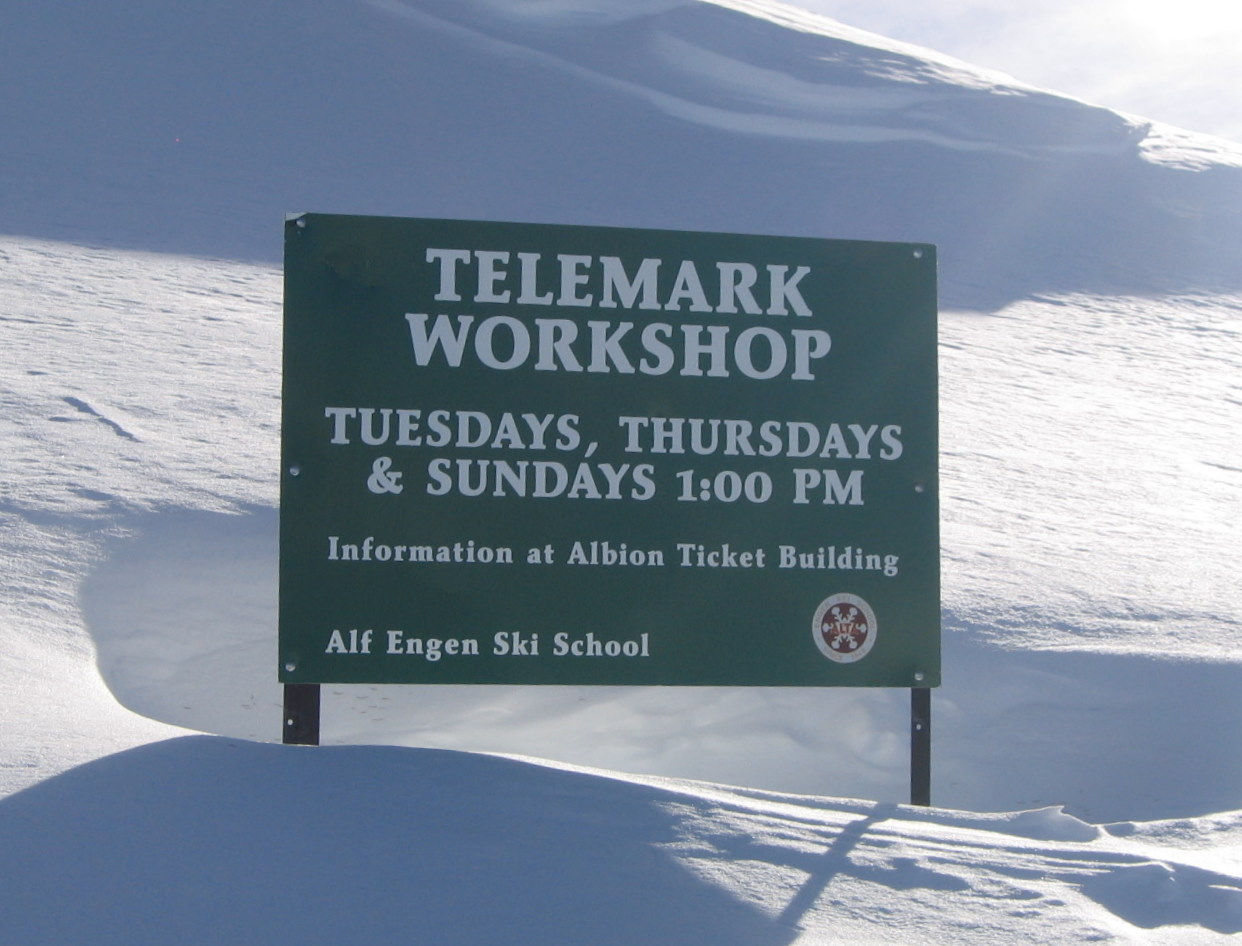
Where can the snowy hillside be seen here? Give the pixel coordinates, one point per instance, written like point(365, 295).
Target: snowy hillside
point(234, 113)
point(1091, 357)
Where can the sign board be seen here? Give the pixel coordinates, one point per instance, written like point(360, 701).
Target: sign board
point(537, 454)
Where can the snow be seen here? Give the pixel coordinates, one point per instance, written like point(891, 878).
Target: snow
point(1087, 746)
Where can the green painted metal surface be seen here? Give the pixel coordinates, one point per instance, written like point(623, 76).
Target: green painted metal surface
point(543, 454)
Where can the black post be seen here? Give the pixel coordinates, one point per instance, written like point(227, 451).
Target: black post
point(301, 720)
point(920, 746)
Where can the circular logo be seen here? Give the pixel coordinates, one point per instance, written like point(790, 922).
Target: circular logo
point(844, 628)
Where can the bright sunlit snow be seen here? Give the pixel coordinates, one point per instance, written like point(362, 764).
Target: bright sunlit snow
point(1087, 740)
point(1172, 60)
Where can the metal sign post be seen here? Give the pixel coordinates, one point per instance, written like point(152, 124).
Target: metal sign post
point(920, 746)
point(301, 717)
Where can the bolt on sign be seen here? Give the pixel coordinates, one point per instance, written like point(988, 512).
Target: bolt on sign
point(532, 454)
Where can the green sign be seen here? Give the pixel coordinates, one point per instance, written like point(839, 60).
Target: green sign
point(576, 455)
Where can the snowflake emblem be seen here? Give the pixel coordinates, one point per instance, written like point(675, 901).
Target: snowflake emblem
point(844, 628)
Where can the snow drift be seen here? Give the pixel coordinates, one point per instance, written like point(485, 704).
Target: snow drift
point(143, 125)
